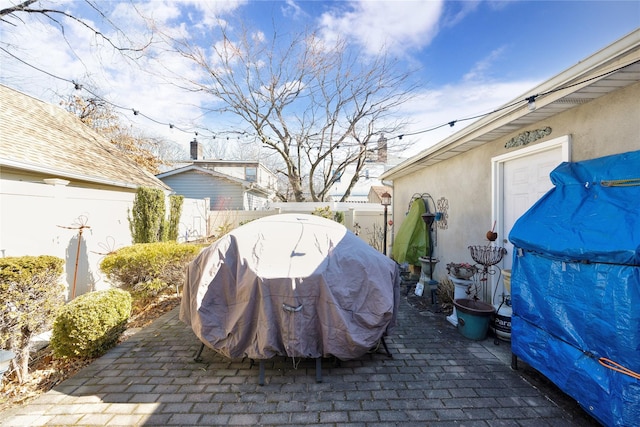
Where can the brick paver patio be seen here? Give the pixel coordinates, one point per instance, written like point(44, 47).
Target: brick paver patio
point(435, 378)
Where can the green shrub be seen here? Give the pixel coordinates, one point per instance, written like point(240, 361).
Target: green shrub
point(326, 212)
point(146, 221)
point(135, 265)
point(91, 324)
point(150, 289)
point(175, 211)
point(31, 293)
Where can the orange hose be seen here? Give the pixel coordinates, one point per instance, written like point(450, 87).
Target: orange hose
point(608, 363)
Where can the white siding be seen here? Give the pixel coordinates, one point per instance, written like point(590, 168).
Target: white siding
point(197, 185)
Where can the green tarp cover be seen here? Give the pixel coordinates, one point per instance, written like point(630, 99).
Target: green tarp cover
point(410, 242)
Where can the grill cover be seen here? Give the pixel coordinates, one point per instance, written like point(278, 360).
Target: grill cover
point(291, 285)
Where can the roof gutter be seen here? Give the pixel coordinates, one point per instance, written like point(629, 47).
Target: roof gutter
point(52, 171)
point(519, 108)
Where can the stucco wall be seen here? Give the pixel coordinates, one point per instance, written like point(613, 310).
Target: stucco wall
point(464, 182)
point(608, 125)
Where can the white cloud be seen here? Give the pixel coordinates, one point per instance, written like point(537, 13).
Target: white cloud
point(292, 10)
point(403, 27)
point(481, 70)
point(435, 107)
point(460, 11)
point(397, 26)
point(50, 63)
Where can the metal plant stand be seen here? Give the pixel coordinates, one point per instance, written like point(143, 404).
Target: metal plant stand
point(487, 256)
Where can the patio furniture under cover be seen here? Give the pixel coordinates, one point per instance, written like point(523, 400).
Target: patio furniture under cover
point(575, 286)
point(291, 285)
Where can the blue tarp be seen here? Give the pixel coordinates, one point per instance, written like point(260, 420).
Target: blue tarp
point(575, 285)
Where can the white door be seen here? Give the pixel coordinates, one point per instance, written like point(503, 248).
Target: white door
point(521, 178)
point(526, 180)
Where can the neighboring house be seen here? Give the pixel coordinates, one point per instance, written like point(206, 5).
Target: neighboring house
point(228, 184)
point(376, 192)
point(493, 170)
point(377, 163)
point(65, 190)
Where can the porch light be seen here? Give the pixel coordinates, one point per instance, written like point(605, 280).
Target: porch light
point(385, 199)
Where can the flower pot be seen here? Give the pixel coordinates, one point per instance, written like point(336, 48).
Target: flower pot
point(427, 265)
point(473, 318)
point(461, 271)
point(426, 272)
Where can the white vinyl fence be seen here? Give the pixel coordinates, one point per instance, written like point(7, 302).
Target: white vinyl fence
point(82, 225)
point(79, 225)
point(364, 219)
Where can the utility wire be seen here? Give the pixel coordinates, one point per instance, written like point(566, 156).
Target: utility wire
point(528, 99)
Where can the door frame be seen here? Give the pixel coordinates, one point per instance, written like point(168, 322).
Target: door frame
point(497, 176)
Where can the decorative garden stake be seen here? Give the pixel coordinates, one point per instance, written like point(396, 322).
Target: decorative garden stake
point(80, 225)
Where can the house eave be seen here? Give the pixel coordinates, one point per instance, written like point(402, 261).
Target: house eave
point(252, 188)
point(610, 69)
point(206, 171)
point(66, 174)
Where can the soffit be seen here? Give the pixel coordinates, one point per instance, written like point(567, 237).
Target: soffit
point(500, 125)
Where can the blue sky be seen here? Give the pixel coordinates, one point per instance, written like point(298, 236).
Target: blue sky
point(472, 56)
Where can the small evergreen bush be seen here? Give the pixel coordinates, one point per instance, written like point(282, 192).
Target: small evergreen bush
point(91, 324)
point(31, 293)
point(152, 264)
point(175, 211)
point(146, 221)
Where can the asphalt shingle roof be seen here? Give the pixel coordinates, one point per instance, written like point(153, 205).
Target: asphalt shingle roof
point(40, 137)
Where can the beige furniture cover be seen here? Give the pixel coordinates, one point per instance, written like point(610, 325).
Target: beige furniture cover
point(291, 285)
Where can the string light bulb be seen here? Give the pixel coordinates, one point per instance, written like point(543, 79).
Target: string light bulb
point(531, 102)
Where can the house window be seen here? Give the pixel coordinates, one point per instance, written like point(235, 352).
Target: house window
point(251, 174)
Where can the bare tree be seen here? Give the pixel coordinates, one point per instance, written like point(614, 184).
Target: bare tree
point(10, 14)
point(99, 115)
point(318, 107)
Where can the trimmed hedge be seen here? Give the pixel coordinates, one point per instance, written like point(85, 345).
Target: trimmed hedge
point(91, 324)
point(152, 267)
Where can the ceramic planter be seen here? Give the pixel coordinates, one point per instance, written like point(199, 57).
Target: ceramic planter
point(474, 317)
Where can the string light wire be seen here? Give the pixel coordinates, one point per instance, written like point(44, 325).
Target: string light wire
point(529, 100)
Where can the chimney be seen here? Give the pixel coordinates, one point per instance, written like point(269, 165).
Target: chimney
point(196, 150)
point(382, 149)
